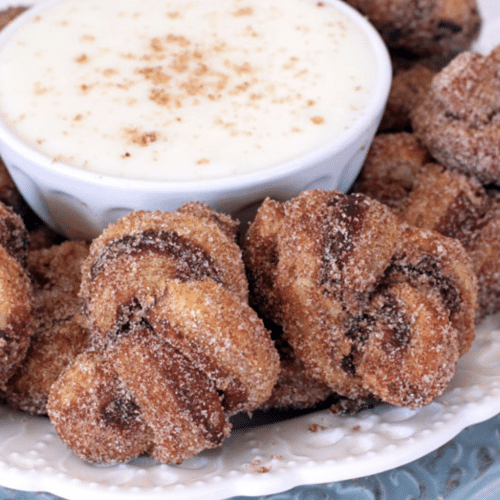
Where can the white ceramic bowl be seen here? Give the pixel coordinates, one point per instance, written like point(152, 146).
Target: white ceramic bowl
point(80, 203)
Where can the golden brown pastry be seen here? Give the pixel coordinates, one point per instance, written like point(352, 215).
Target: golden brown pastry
point(348, 282)
point(176, 349)
point(390, 168)
point(408, 88)
point(16, 326)
point(433, 29)
point(13, 234)
point(61, 331)
point(43, 236)
point(132, 260)
point(298, 390)
point(399, 172)
point(459, 120)
point(94, 413)
point(295, 388)
point(140, 397)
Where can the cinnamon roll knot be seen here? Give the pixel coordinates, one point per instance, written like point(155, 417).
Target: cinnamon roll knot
point(175, 347)
point(372, 307)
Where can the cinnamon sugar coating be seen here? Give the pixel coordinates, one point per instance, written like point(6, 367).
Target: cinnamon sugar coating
point(349, 279)
point(409, 86)
point(483, 246)
point(95, 414)
point(459, 120)
point(166, 297)
point(296, 388)
point(437, 29)
point(61, 331)
point(406, 362)
point(14, 236)
point(132, 260)
point(179, 402)
point(390, 168)
point(16, 327)
point(222, 336)
point(400, 173)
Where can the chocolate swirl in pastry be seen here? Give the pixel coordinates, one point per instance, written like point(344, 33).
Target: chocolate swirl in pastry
point(458, 121)
point(399, 172)
point(349, 282)
point(167, 300)
point(132, 260)
point(141, 396)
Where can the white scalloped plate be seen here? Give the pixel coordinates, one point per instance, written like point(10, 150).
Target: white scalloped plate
point(316, 448)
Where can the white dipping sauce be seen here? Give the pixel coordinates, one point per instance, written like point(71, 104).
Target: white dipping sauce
point(184, 89)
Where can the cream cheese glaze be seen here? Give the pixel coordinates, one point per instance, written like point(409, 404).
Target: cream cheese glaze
point(184, 89)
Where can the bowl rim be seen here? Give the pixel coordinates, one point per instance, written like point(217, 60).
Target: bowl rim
point(381, 88)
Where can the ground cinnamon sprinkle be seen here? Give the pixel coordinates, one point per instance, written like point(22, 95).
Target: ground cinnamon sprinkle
point(318, 120)
point(138, 137)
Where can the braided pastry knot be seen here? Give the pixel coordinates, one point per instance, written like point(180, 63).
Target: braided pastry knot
point(370, 306)
point(176, 349)
point(400, 173)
